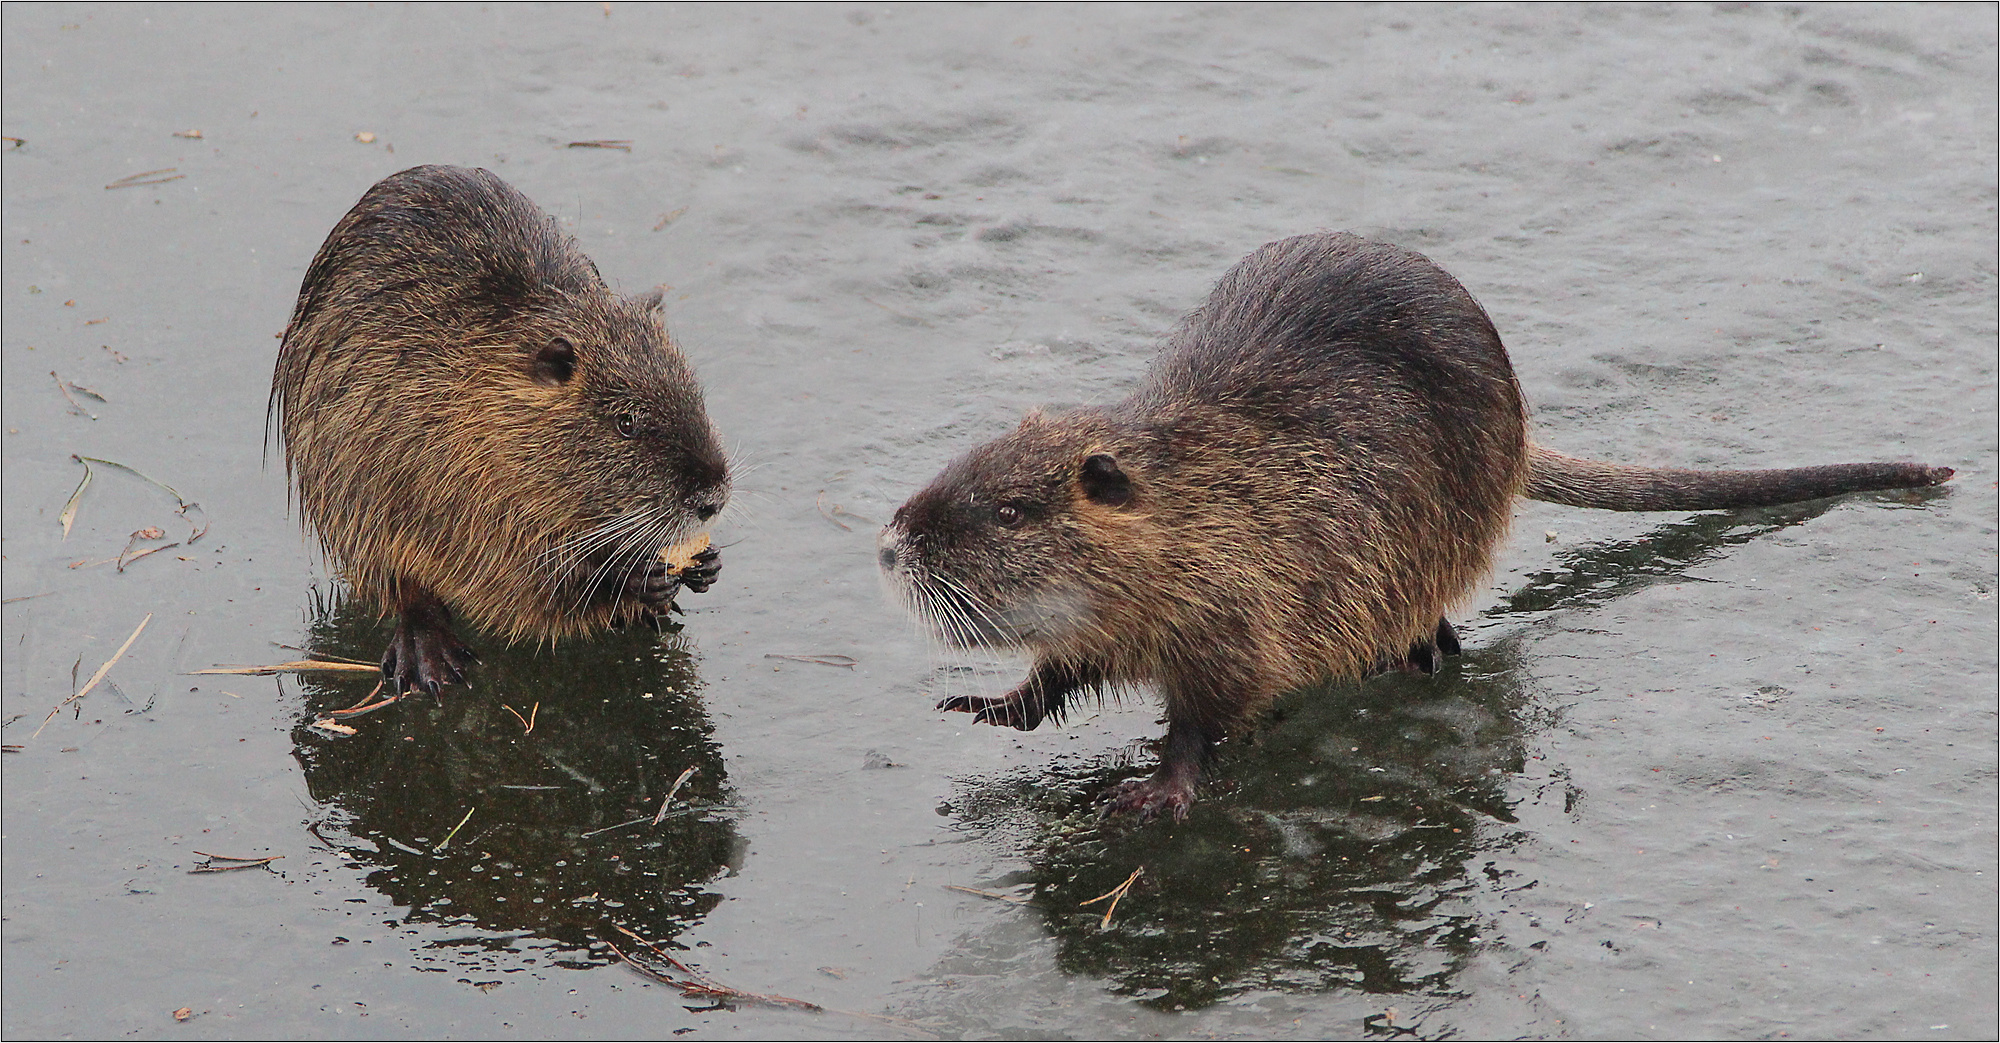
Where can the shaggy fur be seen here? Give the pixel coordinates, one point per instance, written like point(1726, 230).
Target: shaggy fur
point(472, 419)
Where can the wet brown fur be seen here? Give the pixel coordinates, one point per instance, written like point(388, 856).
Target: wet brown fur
point(1317, 469)
point(460, 398)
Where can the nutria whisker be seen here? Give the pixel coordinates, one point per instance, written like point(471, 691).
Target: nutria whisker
point(569, 557)
point(573, 588)
point(947, 635)
point(636, 550)
point(929, 603)
point(958, 633)
point(961, 629)
point(978, 619)
point(954, 628)
point(562, 558)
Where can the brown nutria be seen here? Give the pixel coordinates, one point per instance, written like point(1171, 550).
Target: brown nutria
point(1316, 469)
point(474, 420)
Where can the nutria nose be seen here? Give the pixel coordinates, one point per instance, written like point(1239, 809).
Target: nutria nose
point(887, 556)
point(707, 510)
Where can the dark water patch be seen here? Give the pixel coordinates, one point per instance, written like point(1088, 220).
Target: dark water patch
point(1335, 848)
point(1592, 575)
point(529, 838)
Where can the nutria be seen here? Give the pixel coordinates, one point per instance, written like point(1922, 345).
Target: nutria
point(474, 420)
point(1314, 472)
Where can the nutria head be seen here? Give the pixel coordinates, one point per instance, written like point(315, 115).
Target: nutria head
point(1024, 541)
point(623, 436)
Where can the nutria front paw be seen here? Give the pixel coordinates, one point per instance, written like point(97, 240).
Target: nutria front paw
point(425, 656)
point(653, 587)
point(707, 565)
point(1150, 797)
point(1003, 710)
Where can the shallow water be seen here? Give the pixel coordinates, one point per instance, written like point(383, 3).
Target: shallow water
point(1705, 775)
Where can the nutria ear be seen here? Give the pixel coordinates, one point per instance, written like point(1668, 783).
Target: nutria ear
point(555, 363)
point(1104, 483)
point(653, 300)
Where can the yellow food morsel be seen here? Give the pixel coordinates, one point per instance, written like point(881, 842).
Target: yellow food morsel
point(681, 555)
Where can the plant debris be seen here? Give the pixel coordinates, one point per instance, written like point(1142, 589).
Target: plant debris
point(622, 144)
point(696, 984)
point(837, 512)
point(454, 830)
point(66, 387)
point(295, 667)
point(818, 658)
point(151, 532)
point(75, 498)
point(527, 722)
point(675, 788)
point(98, 676)
point(1016, 899)
point(210, 865)
point(368, 703)
point(1114, 894)
point(146, 177)
point(607, 829)
point(68, 516)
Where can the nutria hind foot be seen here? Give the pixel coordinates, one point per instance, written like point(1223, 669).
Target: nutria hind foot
point(1170, 789)
point(1427, 657)
point(1164, 791)
point(423, 652)
point(655, 586)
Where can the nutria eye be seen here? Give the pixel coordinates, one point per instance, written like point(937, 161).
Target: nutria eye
point(626, 425)
point(1009, 515)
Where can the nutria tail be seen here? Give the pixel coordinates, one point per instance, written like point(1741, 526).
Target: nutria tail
point(1618, 487)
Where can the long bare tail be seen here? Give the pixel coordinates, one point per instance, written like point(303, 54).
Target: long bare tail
point(1618, 487)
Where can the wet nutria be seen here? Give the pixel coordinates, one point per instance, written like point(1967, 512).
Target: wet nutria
point(474, 420)
point(1316, 469)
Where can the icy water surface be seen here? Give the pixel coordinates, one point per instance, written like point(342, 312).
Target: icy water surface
point(1718, 775)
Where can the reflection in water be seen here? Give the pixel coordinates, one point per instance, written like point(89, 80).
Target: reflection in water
point(550, 850)
point(1346, 842)
point(1330, 853)
point(1592, 575)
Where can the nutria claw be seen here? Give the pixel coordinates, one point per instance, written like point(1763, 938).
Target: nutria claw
point(707, 565)
point(655, 586)
point(1004, 710)
point(424, 654)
